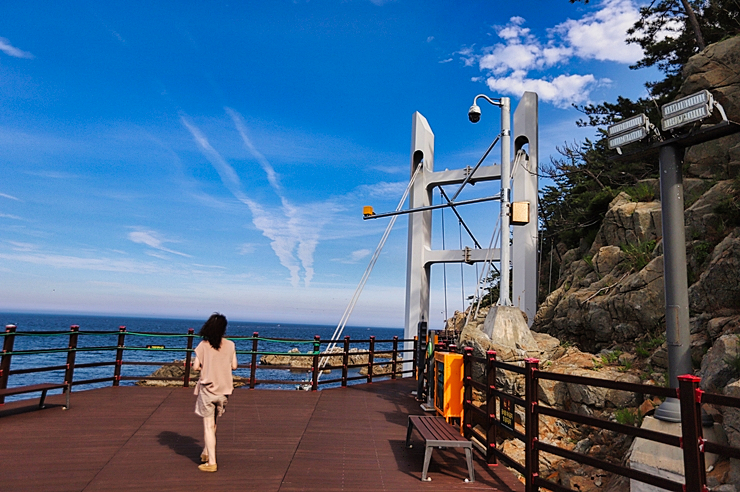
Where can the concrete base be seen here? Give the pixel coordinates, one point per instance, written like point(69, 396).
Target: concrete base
point(505, 326)
point(662, 460)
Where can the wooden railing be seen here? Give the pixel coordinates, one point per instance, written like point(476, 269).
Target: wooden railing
point(691, 441)
point(394, 354)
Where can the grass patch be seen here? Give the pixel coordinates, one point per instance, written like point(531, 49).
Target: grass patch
point(643, 192)
point(645, 348)
point(628, 416)
point(640, 254)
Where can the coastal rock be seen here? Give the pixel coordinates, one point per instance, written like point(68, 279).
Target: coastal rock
point(628, 222)
point(335, 358)
point(716, 68)
point(717, 288)
point(721, 363)
point(176, 369)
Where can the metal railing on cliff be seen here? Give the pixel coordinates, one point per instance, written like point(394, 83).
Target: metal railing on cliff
point(691, 441)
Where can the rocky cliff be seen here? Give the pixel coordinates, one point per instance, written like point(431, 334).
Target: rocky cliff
point(611, 291)
point(608, 300)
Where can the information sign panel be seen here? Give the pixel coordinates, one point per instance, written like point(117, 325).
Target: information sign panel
point(506, 413)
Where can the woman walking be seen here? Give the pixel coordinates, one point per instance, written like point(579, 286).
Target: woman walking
point(215, 357)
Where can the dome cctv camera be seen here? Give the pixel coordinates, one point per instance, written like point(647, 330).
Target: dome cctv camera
point(474, 113)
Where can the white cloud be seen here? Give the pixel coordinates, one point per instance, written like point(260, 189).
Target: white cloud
point(155, 241)
point(8, 216)
point(19, 246)
point(246, 249)
point(293, 230)
point(74, 262)
point(601, 35)
point(354, 257)
point(9, 197)
point(515, 64)
point(383, 189)
point(560, 91)
point(11, 50)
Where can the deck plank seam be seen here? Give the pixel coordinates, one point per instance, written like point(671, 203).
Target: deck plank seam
point(143, 422)
point(298, 444)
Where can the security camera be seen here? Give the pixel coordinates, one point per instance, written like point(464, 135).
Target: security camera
point(474, 113)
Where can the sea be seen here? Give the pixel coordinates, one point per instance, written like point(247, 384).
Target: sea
point(154, 333)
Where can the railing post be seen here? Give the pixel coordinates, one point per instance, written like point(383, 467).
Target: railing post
point(5, 363)
point(316, 351)
point(531, 429)
point(188, 359)
point(71, 354)
point(491, 408)
point(692, 440)
point(253, 363)
point(371, 359)
point(119, 356)
point(345, 360)
point(413, 361)
point(394, 362)
point(467, 416)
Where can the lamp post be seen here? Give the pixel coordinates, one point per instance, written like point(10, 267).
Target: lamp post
point(687, 110)
point(474, 114)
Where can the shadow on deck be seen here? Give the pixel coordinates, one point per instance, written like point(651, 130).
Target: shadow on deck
point(149, 439)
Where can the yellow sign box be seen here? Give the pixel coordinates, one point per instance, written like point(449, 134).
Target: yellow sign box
point(448, 380)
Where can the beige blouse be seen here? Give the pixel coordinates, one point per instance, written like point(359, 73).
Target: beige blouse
point(216, 366)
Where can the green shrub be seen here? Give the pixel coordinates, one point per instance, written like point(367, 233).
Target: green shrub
point(611, 357)
point(645, 347)
point(643, 192)
point(701, 251)
point(640, 254)
point(628, 416)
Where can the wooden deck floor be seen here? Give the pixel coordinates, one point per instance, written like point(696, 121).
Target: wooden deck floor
point(149, 439)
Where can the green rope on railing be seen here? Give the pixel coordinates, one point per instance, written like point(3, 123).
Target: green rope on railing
point(36, 333)
point(145, 349)
point(277, 340)
point(160, 335)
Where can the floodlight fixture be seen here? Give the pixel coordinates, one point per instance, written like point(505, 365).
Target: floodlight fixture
point(627, 131)
point(626, 125)
point(689, 109)
point(627, 138)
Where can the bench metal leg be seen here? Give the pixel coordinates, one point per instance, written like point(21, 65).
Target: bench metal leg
point(469, 459)
point(43, 397)
point(427, 459)
point(408, 434)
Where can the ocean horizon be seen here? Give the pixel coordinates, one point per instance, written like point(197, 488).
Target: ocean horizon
point(149, 327)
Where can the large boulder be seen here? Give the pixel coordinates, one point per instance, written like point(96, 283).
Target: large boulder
point(721, 364)
point(628, 222)
point(701, 218)
point(507, 329)
point(717, 288)
point(618, 307)
point(716, 68)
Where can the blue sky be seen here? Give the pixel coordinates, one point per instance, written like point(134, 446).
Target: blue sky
point(179, 158)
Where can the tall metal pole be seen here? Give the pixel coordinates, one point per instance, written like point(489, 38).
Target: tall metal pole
point(504, 298)
point(675, 280)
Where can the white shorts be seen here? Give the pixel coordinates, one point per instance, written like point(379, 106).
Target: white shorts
point(209, 403)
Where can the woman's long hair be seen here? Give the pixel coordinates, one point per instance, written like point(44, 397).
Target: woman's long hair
point(213, 330)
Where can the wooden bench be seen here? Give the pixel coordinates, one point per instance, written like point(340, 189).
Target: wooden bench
point(436, 432)
point(43, 388)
